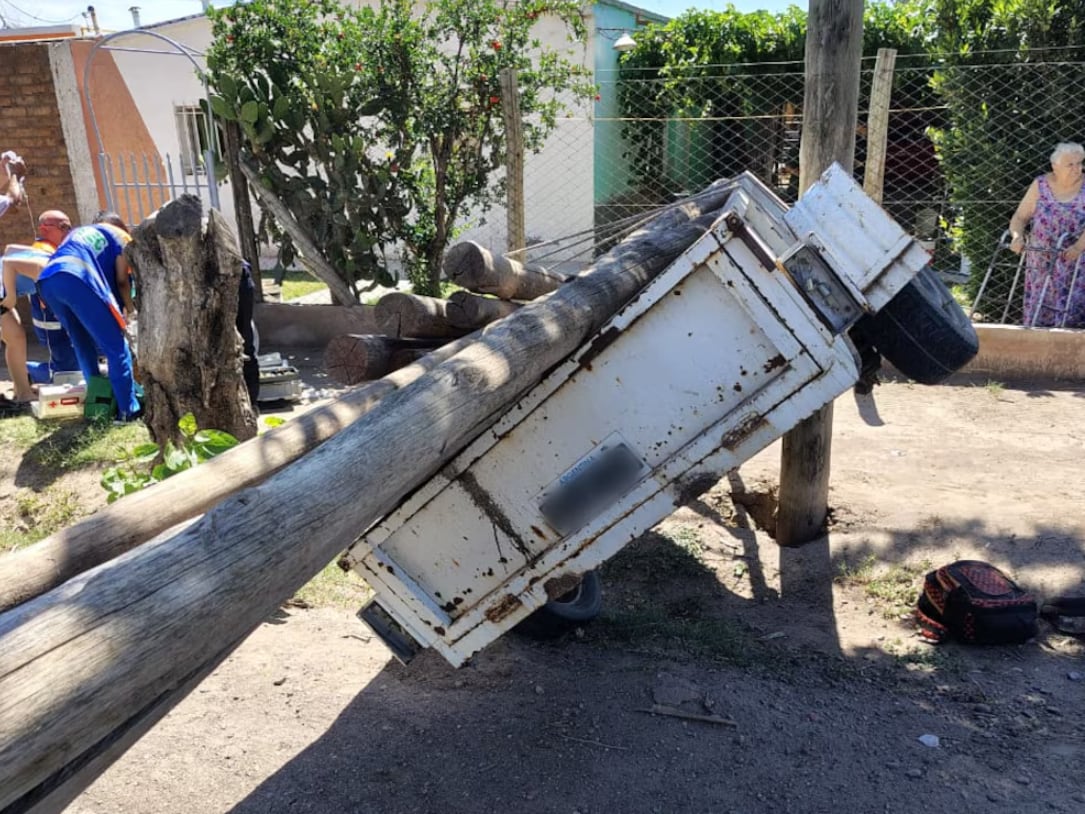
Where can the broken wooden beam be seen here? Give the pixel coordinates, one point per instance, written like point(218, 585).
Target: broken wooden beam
point(119, 646)
point(477, 269)
point(354, 358)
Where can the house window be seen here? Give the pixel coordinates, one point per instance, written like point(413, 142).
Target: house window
point(192, 134)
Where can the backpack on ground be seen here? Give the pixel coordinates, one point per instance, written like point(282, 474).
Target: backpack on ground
point(975, 603)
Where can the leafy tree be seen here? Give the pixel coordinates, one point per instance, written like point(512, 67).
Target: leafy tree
point(377, 127)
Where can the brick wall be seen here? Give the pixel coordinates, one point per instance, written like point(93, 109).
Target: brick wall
point(30, 125)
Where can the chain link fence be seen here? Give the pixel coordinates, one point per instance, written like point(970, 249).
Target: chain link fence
point(964, 141)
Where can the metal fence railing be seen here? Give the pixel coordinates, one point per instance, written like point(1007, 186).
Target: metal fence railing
point(137, 185)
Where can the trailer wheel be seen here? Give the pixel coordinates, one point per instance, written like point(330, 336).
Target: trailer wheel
point(922, 331)
point(578, 607)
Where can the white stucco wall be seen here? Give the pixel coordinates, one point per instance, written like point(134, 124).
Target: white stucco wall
point(160, 79)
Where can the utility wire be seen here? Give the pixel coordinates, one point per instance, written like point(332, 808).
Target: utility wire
point(15, 8)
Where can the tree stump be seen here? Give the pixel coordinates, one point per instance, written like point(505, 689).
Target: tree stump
point(188, 272)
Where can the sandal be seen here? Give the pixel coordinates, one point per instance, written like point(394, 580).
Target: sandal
point(9, 408)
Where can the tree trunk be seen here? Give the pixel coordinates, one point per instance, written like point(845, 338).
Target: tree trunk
point(310, 256)
point(122, 526)
point(190, 353)
point(475, 268)
point(355, 358)
point(118, 647)
point(470, 312)
point(246, 231)
point(834, 41)
point(412, 315)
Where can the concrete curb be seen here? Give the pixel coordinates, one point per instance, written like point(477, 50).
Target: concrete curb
point(1011, 352)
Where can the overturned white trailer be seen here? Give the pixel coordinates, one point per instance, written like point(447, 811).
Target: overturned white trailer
point(742, 337)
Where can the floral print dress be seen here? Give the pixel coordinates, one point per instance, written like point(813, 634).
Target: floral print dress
point(1049, 301)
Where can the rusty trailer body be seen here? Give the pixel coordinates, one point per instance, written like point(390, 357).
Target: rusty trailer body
point(729, 348)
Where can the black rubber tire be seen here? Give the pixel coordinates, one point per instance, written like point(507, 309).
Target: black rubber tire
point(575, 609)
point(922, 331)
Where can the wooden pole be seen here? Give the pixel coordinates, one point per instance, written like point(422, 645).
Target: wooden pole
point(834, 41)
point(121, 526)
point(514, 160)
point(477, 269)
point(88, 667)
point(310, 254)
point(413, 315)
point(877, 123)
point(354, 358)
point(470, 311)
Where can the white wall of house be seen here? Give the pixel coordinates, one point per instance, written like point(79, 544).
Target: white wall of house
point(161, 80)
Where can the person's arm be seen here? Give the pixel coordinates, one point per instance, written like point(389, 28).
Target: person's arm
point(11, 191)
point(26, 264)
point(1025, 210)
point(123, 277)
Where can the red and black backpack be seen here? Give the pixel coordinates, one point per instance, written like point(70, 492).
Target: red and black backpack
point(975, 603)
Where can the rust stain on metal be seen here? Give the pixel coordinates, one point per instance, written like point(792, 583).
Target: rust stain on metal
point(557, 587)
point(440, 631)
point(507, 604)
point(481, 498)
point(741, 431)
point(538, 532)
point(775, 362)
point(601, 343)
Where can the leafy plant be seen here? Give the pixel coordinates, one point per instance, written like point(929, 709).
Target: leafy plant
point(381, 126)
point(894, 589)
point(147, 463)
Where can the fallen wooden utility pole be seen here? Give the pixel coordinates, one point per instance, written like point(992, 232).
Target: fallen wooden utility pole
point(135, 519)
point(834, 42)
point(475, 268)
point(90, 666)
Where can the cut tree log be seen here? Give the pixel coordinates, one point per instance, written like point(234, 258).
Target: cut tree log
point(471, 312)
point(354, 358)
point(412, 315)
point(188, 270)
point(119, 646)
point(121, 526)
point(475, 268)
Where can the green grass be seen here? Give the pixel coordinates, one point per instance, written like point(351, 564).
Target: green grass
point(75, 445)
point(299, 283)
point(333, 587)
point(37, 515)
point(894, 589)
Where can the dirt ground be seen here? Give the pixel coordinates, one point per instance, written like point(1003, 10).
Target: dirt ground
point(815, 691)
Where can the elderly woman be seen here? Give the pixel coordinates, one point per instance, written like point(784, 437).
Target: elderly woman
point(1055, 206)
